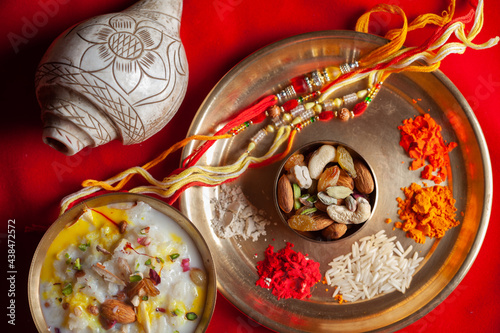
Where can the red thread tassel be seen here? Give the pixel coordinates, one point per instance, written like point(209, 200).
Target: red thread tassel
point(359, 108)
point(260, 118)
point(291, 104)
point(326, 115)
point(243, 116)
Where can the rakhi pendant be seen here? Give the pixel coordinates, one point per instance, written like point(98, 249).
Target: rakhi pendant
point(313, 81)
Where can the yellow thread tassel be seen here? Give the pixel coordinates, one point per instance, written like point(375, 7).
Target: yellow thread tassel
point(208, 174)
point(132, 171)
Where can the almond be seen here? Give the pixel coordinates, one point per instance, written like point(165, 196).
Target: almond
point(285, 194)
point(322, 220)
point(144, 287)
point(364, 180)
point(321, 206)
point(334, 231)
point(113, 309)
point(345, 180)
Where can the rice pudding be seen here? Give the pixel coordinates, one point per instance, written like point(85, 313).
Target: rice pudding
point(123, 268)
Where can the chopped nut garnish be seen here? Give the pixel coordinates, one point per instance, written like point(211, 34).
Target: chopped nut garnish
point(101, 249)
point(124, 268)
point(144, 287)
point(80, 273)
point(145, 241)
point(107, 275)
point(77, 311)
point(123, 226)
point(121, 295)
point(92, 309)
point(135, 301)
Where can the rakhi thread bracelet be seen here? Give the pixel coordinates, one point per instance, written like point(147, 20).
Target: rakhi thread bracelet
point(380, 63)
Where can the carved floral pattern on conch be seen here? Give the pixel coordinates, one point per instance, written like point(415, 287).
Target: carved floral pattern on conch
point(99, 91)
point(130, 63)
point(128, 47)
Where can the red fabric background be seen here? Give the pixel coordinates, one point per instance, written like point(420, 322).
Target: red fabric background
point(217, 34)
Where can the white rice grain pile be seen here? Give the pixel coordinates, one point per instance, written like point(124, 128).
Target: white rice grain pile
point(376, 265)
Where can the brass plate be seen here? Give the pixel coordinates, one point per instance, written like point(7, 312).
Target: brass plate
point(103, 200)
point(375, 136)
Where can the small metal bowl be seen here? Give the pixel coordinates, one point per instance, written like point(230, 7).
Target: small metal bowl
point(115, 198)
point(316, 236)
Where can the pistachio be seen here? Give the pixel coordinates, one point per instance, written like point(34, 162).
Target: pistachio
point(308, 210)
point(338, 192)
point(326, 199)
point(351, 203)
point(304, 200)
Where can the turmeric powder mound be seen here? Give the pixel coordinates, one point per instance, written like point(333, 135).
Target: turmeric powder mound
point(421, 139)
point(426, 212)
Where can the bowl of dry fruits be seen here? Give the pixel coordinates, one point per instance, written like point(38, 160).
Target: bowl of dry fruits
point(325, 191)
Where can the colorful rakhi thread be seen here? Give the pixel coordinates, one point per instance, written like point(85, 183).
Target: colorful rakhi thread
point(306, 100)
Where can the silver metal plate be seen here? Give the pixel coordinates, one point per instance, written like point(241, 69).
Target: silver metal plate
point(375, 136)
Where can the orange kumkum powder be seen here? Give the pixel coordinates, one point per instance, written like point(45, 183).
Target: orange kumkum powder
point(421, 139)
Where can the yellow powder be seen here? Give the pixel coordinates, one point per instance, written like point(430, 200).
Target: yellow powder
point(426, 212)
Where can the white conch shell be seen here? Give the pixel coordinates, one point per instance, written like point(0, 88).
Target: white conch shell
point(116, 76)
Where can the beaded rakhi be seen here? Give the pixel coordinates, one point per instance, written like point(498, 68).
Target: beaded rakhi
point(305, 100)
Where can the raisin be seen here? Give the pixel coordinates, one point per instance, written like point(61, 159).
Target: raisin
point(296, 159)
point(345, 161)
point(328, 177)
point(309, 222)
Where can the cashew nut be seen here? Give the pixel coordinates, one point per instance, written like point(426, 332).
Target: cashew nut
point(319, 159)
point(301, 174)
point(341, 214)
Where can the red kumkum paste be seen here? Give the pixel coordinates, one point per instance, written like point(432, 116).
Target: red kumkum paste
point(288, 273)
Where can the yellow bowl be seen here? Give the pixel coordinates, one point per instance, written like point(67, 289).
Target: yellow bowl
point(74, 213)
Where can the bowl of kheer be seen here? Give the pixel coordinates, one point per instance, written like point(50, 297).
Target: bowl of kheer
point(122, 263)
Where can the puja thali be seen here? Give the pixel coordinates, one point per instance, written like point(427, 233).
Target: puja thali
point(375, 136)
